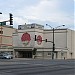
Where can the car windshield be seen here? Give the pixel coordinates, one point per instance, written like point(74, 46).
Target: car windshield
point(4, 54)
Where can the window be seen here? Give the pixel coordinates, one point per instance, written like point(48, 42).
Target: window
point(39, 54)
point(1, 32)
point(49, 53)
point(32, 26)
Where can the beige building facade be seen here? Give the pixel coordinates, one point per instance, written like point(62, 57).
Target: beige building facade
point(24, 42)
point(6, 40)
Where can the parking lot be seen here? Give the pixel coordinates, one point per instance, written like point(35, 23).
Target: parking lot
point(36, 67)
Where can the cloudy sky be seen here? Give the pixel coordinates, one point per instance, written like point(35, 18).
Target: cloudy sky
point(52, 12)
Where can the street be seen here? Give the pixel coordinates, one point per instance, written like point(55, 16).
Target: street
point(36, 67)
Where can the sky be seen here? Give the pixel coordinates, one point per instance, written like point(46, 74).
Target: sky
point(52, 12)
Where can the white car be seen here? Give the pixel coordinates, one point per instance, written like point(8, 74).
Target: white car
point(6, 56)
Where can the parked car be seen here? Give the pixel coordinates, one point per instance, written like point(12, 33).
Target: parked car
point(6, 56)
point(1, 56)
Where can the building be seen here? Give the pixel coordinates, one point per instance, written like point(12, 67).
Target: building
point(24, 42)
point(6, 40)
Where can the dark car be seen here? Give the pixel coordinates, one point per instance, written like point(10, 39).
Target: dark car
point(1, 56)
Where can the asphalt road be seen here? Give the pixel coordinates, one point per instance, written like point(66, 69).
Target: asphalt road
point(36, 67)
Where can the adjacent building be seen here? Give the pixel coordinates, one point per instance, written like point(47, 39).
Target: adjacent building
point(24, 42)
point(6, 39)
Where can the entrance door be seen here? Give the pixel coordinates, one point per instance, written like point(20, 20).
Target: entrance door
point(25, 54)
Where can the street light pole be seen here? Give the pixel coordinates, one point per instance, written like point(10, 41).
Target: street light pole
point(1, 32)
point(53, 45)
point(53, 39)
